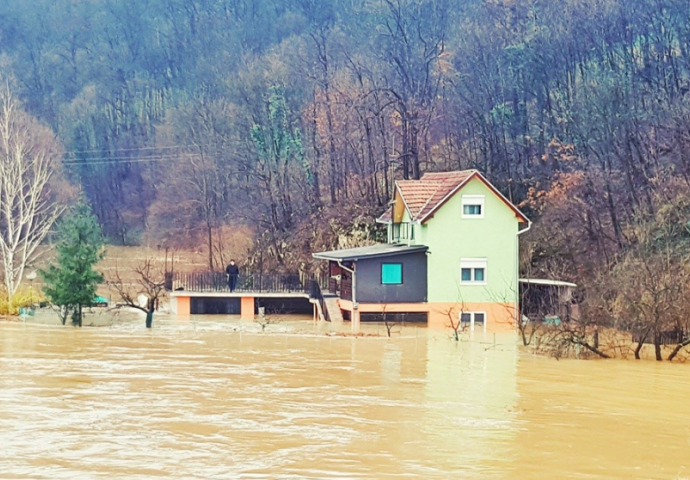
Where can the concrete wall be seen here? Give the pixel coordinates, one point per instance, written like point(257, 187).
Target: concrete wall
point(499, 317)
point(414, 276)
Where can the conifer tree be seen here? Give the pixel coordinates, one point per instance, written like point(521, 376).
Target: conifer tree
point(72, 283)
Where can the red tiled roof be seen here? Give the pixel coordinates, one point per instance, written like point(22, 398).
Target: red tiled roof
point(424, 196)
point(416, 194)
point(447, 183)
point(386, 217)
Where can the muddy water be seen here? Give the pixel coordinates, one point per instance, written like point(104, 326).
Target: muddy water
point(216, 399)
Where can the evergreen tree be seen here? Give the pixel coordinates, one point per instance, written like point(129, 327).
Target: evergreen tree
point(72, 283)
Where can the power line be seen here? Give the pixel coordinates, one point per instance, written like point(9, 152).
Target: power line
point(134, 149)
point(71, 157)
point(100, 150)
point(152, 158)
point(121, 160)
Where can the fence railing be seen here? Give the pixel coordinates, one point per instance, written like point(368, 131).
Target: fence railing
point(217, 282)
point(668, 337)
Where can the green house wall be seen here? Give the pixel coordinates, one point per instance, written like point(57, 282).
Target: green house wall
point(451, 238)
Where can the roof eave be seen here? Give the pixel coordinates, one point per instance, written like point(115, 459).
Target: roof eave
point(354, 258)
point(547, 282)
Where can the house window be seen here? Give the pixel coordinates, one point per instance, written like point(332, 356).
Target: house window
point(391, 273)
point(473, 271)
point(473, 319)
point(473, 206)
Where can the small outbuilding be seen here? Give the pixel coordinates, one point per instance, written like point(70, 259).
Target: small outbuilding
point(547, 300)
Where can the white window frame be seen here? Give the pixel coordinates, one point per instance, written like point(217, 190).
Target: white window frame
point(474, 263)
point(404, 231)
point(472, 316)
point(472, 200)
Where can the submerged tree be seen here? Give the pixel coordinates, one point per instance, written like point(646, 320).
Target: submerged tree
point(150, 282)
point(72, 283)
point(651, 282)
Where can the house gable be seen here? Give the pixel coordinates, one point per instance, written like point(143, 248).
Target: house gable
point(399, 208)
point(421, 199)
point(441, 197)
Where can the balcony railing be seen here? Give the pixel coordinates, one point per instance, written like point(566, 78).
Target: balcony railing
point(217, 282)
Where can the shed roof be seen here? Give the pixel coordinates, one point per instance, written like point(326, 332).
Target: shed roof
point(547, 282)
point(373, 251)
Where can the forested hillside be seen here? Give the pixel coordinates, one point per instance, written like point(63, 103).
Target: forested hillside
point(200, 122)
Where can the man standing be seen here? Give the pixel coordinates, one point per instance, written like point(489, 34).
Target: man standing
point(232, 272)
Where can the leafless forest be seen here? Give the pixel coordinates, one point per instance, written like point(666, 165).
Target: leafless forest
point(282, 125)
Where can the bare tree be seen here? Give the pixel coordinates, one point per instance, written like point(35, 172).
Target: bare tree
point(571, 338)
point(414, 38)
point(389, 320)
point(454, 314)
point(651, 281)
point(29, 154)
point(264, 320)
point(150, 282)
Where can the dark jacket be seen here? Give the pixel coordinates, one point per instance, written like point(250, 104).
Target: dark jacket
point(232, 270)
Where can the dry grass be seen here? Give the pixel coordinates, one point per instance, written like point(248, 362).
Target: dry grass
point(123, 259)
point(117, 258)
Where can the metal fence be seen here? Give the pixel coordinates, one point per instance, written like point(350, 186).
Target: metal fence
point(668, 337)
point(249, 283)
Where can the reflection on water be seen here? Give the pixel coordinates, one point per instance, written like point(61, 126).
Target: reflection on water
point(213, 398)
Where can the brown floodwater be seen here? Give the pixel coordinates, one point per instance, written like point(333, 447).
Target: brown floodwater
point(214, 398)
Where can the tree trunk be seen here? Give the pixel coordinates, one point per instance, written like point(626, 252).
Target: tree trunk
point(317, 160)
point(76, 316)
point(657, 346)
point(640, 344)
point(149, 319)
point(209, 239)
point(589, 347)
point(678, 348)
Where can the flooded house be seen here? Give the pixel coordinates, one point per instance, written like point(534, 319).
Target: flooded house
point(451, 255)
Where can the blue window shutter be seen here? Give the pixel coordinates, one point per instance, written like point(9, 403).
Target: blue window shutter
point(391, 273)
